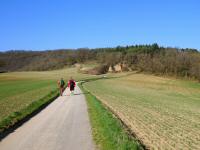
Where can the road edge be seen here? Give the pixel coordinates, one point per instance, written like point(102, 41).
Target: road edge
point(128, 138)
point(16, 119)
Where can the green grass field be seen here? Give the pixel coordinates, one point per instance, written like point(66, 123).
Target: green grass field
point(108, 132)
point(21, 93)
point(163, 112)
point(18, 90)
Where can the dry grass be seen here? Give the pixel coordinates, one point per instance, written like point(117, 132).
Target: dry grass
point(44, 75)
point(164, 113)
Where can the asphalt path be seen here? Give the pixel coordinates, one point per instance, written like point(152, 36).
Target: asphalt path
point(63, 125)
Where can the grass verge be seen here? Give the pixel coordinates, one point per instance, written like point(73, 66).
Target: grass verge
point(159, 111)
point(108, 131)
point(27, 112)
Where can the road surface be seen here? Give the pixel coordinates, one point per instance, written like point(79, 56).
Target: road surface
point(63, 125)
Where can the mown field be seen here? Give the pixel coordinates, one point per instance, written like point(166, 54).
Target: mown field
point(19, 89)
point(164, 113)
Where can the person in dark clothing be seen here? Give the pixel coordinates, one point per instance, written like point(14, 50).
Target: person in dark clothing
point(61, 85)
point(71, 85)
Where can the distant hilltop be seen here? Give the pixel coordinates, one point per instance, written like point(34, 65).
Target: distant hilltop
point(145, 58)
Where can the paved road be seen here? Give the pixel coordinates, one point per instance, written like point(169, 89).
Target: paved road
point(63, 125)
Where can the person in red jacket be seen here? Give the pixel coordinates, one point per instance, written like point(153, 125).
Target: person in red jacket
point(71, 85)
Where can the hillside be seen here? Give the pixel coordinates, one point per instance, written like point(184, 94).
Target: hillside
point(144, 58)
point(35, 61)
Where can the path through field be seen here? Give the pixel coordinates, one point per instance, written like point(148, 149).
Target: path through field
point(64, 124)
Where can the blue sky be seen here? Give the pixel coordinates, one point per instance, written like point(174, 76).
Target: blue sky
point(54, 24)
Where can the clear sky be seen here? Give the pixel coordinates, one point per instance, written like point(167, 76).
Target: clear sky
point(54, 24)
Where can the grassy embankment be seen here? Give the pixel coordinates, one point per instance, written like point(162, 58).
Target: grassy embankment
point(22, 93)
point(163, 112)
point(108, 131)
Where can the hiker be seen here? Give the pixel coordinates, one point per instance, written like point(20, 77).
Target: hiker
point(61, 85)
point(71, 85)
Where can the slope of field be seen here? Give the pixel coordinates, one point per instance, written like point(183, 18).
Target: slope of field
point(20, 89)
point(164, 113)
point(108, 131)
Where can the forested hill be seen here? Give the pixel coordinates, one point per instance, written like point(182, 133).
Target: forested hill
point(41, 60)
point(147, 58)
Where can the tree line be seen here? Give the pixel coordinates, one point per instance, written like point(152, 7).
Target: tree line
point(145, 58)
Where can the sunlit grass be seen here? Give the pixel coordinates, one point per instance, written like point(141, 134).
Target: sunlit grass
point(163, 112)
point(18, 90)
point(108, 132)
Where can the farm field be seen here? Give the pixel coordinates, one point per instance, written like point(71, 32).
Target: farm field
point(164, 113)
point(19, 89)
